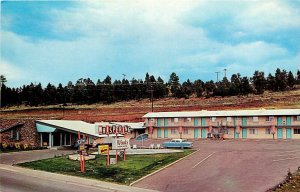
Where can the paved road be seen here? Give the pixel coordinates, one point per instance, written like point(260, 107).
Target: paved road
point(250, 165)
point(25, 156)
point(14, 179)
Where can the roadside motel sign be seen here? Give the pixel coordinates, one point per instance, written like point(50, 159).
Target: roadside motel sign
point(121, 143)
point(105, 130)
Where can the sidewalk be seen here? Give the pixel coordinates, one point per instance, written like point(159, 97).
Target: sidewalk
point(73, 179)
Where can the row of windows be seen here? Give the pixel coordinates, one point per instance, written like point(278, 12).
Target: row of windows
point(185, 131)
point(251, 131)
point(228, 119)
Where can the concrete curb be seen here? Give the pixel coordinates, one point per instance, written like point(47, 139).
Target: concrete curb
point(146, 176)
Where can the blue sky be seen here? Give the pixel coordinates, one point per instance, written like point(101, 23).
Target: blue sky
point(58, 41)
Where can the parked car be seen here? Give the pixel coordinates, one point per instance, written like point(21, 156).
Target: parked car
point(178, 143)
point(142, 137)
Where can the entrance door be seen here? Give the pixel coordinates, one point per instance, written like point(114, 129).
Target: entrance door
point(196, 133)
point(158, 133)
point(236, 135)
point(244, 133)
point(279, 133)
point(203, 133)
point(166, 133)
point(56, 139)
point(288, 133)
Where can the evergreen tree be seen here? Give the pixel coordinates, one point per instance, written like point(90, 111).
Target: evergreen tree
point(245, 86)
point(198, 87)
point(49, 95)
point(161, 88)
point(259, 81)
point(280, 80)
point(223, 88)
point(236, 81)
point(175, 88)
point(209, 88)
point(298, 77)
point(291, 81)
point(60, 95)
point(187, 88)
point(271, 83)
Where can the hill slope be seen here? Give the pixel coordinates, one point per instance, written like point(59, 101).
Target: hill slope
point(134, 110)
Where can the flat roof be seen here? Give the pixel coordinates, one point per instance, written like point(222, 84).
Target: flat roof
point(225, 113)
point(84, 127)
point(71, 125)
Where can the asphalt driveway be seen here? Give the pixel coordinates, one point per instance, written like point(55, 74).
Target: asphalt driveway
point(26, 156)
point(230, 165)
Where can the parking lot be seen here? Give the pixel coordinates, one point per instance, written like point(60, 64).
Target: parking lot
point(229, 165)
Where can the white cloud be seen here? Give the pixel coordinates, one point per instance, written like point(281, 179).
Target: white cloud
point(11, 72)
point(135, 37)
point(269, 16)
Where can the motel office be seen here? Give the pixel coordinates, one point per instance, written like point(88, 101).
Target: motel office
point(55, 133)
point(239, 124)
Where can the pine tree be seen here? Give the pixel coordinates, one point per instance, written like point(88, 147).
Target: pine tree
point(271, 82)
point(259, 81)
point(198, 87)
point(291, 80)
point(174, 84)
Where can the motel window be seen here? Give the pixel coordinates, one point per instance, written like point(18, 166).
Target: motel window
point(173, 131)
point(254, 119)
point(269, 118)
point(226, 131)
point(174, 120)
point(213, 119)
point(268, 131)
point(14, 134)
point(228, 119)
point(185, 131)
point(296, 131)
point(187, 119)
point(297, 118)
point(253, 131)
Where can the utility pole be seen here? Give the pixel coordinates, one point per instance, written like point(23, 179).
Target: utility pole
point(217, 75)
point(151, 96)
point(225, 72)
point(0, 92)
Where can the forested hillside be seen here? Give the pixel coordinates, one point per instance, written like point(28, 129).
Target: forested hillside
point(85, 91)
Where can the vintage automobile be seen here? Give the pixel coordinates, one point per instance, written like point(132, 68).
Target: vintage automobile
point(178, 143)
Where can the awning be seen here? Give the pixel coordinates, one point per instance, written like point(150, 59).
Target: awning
point(44, 129)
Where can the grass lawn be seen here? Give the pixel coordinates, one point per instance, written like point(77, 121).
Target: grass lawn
point(290, 185)
point(135, 166)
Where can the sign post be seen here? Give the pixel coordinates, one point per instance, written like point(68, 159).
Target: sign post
point(104, 149)
point(81, 151)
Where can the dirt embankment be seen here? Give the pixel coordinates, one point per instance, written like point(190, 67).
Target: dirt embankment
point(134, 110)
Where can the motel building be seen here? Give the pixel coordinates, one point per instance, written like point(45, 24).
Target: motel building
point(57, 133)
point(54, 133)
point(235, 124)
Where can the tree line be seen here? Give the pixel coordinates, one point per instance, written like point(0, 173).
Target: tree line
point(85, 91)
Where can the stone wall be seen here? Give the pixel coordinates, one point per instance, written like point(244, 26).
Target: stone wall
point(27, 132)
